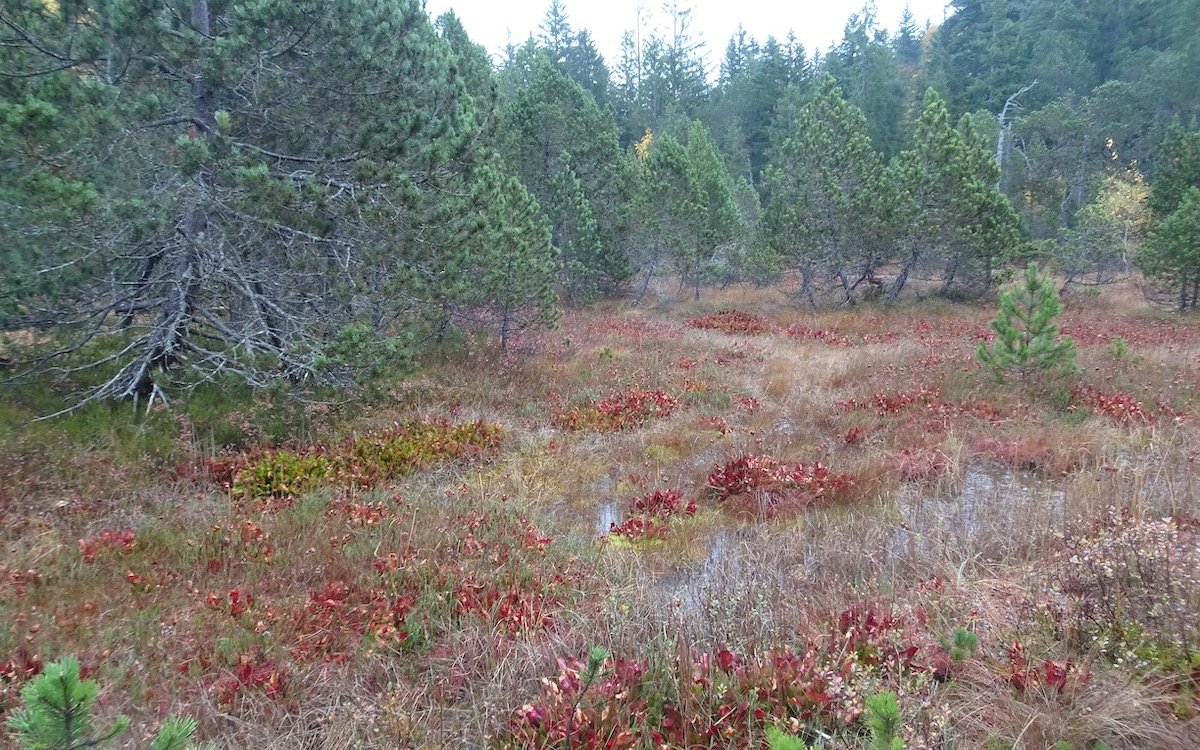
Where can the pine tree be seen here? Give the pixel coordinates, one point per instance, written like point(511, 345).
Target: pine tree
point(1170, 256)
point(250, 180)
point(549, 124)
point(828, 196)
point(586, 269)
point(516, 262)
point(689, 211)
point(56, 714)
point(958, 224)
point(1027, 338)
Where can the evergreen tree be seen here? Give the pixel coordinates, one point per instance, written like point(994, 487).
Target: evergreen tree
point(1177, 169)
point(1171, 254)
point(585, 65)
point(870, 76)
point(1170, 257)
point(556, 32)
point(56, 714)
point(828, 197)
point(907, 43)
point(1027, 339)
point(958, 224)
point(240, 189)
point(981, 54)
point(516, 262)
point(687, 211)
point(587, 269)
point(550, 124)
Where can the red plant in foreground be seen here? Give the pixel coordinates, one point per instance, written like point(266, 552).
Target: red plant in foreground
point(883, 403)
point(772, 486)
point(252, 673)
point(921, 465)
point(747, 403)
point(726, 699)
point(733, 322)
point(820, 334)
point(1058, 676)
point(1023, 454)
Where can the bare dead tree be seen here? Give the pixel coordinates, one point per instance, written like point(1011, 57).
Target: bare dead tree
point(1012, 104)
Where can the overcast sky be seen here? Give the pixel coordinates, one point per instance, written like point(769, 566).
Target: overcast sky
point(493, 23)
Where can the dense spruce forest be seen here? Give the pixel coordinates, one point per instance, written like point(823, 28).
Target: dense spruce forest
point(317, 190)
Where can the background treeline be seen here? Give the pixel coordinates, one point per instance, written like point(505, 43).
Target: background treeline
point(314, 189)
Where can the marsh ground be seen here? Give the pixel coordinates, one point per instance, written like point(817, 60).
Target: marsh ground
point(763, 514)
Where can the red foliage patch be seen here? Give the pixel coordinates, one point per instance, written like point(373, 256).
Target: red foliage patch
point(1020, 453)
point(747, 403)
point(653, 513)
point(20, 667)
point(921, 465)
point(635, 328)
point(252, 673)
point(122, 541)
point(1118, 405)
point(727, 699)
point(626, 410)
point(883, 403)
point(733, 322)
point(1058, 676)
point(769, 487)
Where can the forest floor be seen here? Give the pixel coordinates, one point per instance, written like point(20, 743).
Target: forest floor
point(763, 515)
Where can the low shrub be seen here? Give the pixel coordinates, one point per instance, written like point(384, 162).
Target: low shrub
point(768, 487)
point(624, 410)
point(733, 322)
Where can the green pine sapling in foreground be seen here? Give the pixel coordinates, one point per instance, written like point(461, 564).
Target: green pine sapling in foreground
point(1027, 339)
point(777, 739)
point(57, 714)
point(883, 717)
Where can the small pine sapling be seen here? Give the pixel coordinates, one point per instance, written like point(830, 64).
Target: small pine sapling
point(777, 739)
point(1027, 338)
point(57, 710)
point(965, 644)
point(883, 717)
point(57, 715)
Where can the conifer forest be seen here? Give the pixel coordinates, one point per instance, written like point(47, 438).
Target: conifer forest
point(362, 388)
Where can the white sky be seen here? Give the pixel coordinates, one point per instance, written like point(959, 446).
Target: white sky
point(494, 23)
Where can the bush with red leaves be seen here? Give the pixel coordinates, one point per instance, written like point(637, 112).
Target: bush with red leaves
point(733, 322)
point(1117, 405)
point(625, 410)
point(652, 514)
point(769, 487)
point(720, 698)
point(820, 334)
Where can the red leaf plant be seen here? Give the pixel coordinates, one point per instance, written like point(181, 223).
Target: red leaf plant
point(768, 487)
